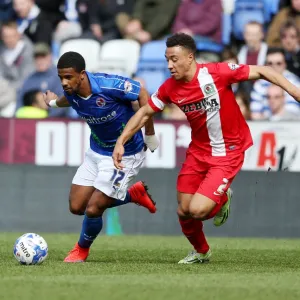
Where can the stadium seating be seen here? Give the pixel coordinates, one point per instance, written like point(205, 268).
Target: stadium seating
point(119, 56)
point(270, 8)
point(152, 67)
point(152, 55)
point(88, 48)
point(245, 12)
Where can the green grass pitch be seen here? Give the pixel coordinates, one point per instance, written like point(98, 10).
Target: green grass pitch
point(145, 267)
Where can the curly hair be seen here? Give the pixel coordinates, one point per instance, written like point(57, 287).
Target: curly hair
point(183, 40)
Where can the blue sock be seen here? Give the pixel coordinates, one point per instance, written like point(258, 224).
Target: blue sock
point(122, 202)
point(91, 227)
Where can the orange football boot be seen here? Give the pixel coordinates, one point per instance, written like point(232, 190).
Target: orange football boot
point(77, 254)
point(140, 196)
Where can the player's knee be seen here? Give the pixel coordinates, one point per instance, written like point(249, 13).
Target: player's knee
point(76, 208)
point(182, 213)
point(199, 213)
point(93, 211)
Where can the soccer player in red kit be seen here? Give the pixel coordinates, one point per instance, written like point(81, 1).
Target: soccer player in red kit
point(220, 135)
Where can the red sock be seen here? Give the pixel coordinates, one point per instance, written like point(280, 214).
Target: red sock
point(202, 245)
point(192, 229)
point(216, 209)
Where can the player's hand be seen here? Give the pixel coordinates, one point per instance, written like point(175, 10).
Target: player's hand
point(117, 156)
point(151, 142)
point(48, 96)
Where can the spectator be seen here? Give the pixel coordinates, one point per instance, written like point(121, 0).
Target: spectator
point(243, 102)
point(289, 36)
point(255, 50)
point(259, 104)
point(292, 12)
point(16, 55)
point(32, 22)
point(123, 12)
point(201, 19)
point(100, 22)
point(69, 26)
point(276, 101)
point(34, 106)
point(7, 99)
point(229, 55)
point(151, 20)
point(43, 78)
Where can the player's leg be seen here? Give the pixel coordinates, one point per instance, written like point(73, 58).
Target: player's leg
point(79, 198)
point(91, 226)
point(110, 191)
point(115, 183)
point(213, 195)
point(222, 214)
point(191, 228)
point(82, 186)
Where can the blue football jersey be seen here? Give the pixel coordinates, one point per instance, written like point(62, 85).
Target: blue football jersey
point(107, 111)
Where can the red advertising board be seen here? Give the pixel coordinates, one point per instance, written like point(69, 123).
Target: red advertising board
point(62, 142)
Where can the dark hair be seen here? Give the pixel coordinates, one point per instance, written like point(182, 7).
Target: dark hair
point(241, 93)
point(290, 23)
point(29, 97)
point(228, 53)
point(183, 40)
point(71, 60)
point(9, 23)
point(274, 50)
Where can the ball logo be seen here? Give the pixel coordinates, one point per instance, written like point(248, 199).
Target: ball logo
point(100, 102)
point(24, 249)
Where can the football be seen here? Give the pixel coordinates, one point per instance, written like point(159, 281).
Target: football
point(30, 249)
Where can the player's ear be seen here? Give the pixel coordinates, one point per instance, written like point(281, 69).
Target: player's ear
point(82, 74)
point(191, 57)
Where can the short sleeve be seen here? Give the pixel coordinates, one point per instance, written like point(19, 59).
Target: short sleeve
point(233, 73)
point(159, 99)
point(122, 88)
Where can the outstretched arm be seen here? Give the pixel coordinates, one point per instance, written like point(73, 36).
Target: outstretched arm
point(52, 100)
point(134, 124)
point(143, 100)
point(267, 73)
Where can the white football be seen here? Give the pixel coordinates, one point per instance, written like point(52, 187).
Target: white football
point(30, 249)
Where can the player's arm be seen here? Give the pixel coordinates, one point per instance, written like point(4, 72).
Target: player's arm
point(143, 100)
point(143, 115)
point(52, 100)
point(151, 140)
point(267, 73)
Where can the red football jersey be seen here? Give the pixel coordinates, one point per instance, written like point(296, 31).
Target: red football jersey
point(218, 126)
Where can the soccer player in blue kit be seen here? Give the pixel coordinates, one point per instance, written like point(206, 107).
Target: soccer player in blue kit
point(105, 102)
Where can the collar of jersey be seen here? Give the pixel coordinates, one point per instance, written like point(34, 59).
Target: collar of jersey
point(95, 86)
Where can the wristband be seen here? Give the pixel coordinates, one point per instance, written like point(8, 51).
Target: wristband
point(52, 103)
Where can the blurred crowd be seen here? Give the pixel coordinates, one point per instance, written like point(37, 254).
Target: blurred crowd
point(33, 31)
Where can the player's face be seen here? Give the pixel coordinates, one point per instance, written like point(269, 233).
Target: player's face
point(179, 61)
point(70, 80)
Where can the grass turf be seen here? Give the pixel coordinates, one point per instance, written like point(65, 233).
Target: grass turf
point(146, 267)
